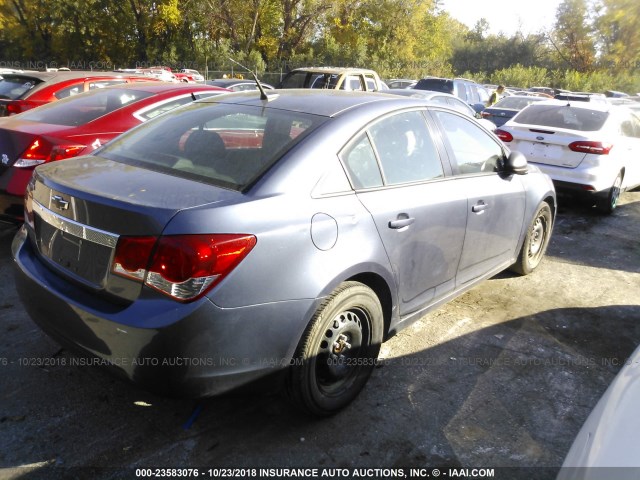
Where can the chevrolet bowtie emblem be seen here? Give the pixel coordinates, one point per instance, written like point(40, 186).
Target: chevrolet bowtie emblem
point(59, 202)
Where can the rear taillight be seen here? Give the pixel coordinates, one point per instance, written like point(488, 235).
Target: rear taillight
point(41, 151)
point(504, 136)
point(183, 267)
point(16, 107)
point(597, 148)
point(485, 114)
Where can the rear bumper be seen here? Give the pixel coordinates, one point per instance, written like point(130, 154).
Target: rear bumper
point(581, 181)
point(185, 350)
point(13, 184)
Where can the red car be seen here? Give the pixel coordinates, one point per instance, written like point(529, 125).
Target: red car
point(25, 90)
point(77, 126)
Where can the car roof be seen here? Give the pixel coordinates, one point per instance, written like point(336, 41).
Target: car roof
point(333, 70)
point(69, 75)
point(327, 103)
point(230, 81)
point(599, 106)
point(157, 87)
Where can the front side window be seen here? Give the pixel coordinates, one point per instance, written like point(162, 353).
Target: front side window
point(474, 150)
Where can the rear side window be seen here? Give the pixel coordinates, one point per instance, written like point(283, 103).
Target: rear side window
point(351, 82)
point(361, 164)
point(81, 110)
point(13, 87)
point(562, 116)
point(227, 145)
point(69, 91)
point(104, 83)
point(630, 126)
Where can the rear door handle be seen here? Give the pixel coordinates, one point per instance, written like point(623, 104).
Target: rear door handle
point(401, 222)
point(479, 207)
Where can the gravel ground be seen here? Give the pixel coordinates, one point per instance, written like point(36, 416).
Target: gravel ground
point(501, 378)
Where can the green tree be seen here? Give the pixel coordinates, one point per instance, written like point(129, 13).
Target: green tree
point(573, 37)
point(618, 34)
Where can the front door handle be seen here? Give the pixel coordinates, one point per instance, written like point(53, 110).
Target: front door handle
point(479, 207)
point(401, 222)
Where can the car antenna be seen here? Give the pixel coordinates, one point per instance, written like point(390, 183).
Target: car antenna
point(263, 95)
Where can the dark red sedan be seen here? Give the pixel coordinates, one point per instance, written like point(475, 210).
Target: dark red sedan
point(22, 91)
point(76, 126)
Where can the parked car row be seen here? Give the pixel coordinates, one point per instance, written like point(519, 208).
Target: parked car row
point(76, 126)
point(25, 90)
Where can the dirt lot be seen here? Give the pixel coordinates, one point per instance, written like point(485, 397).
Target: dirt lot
point(502, 377)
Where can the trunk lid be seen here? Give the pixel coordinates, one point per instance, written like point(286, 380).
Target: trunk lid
point(77, 210)
point(547, 146)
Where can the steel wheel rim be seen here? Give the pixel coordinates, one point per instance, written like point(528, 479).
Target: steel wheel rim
point(538, 236)
point(341, 351)
point(615, 192)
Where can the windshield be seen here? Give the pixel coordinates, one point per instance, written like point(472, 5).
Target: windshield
point(12, 87)
point(227, 145)
point(82, 109)
point(562, 116)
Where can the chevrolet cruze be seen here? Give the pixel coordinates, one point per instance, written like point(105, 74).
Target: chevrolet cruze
point(283, 237)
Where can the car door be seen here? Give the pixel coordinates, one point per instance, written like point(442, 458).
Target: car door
point(630, 138)
point(495, 202)
point(396, 170)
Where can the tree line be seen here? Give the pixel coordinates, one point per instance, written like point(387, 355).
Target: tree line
point(593, 44)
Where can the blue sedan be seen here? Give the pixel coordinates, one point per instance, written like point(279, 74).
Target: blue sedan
point(278, 238)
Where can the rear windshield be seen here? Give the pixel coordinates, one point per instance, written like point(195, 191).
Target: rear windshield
point(225, 145)
point(13, 87)
point(435, 84)
point(516, 103)
point(82, 109)
point(562, 116)
point(303, 79)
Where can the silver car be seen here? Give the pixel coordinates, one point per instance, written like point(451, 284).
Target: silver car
point(280, 238)
point(607, 444)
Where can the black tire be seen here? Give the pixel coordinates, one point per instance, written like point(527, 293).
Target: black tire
point(337, 352)
point(609, 203)
point(535, 242)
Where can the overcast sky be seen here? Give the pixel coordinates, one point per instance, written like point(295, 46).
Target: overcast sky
point(506, 16)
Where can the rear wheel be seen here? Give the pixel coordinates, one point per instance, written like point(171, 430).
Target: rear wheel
point(535, 242)
point(338, 351)
point(609, 203)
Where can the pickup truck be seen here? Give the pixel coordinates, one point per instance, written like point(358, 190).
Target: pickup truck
point(355, 79)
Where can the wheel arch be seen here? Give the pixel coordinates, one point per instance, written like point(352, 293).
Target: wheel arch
point(381, 288)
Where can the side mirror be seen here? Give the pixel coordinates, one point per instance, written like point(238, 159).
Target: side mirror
point(516, 163)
